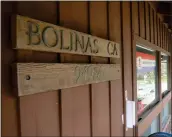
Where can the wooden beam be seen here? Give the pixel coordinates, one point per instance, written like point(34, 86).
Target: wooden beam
point(31, 34)
point(34, 78)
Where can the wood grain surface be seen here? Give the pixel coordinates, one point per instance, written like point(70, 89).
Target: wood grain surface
point(40, 77)
point(33, 34)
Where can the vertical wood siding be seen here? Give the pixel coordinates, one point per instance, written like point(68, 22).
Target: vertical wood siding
point(147, 9)
point(127, 57)
point(116, 92)
point(89, 110)
point(142, 18)
point(39, 114)
point(99, 92)
point(155, 28)
point(75, 102)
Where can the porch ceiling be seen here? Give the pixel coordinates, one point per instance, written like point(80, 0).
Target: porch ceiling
point(164, 8)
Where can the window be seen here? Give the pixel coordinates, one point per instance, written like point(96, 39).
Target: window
point(153, 128)
point(146, 77)
point(164, 72)
point(166, 118)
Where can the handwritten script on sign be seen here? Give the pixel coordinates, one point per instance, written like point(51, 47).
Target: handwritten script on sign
point(33, 34)
point(42, 77)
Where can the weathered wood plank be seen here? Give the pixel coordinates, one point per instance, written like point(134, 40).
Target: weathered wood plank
point(152, 25)
point(158, 32)
point(166, 39)
point(41, 77)
point(163, 36)
point(155, 28)
point(142, 18)
point(147, 10)
point(135, 17)
point(161, 33)
point(33, 34)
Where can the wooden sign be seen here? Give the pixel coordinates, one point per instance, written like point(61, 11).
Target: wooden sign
point(41, 77)
point(33, 34)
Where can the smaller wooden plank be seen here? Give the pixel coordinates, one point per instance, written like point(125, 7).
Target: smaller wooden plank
point(158, 34)
point(41, 77)
point(135, 17)
point(147, 10)
point(165, 46)
point(152, 26)
point(31, 34)
point(142, 18)
point(161, 33)
point(167, 39)
point(168, 44)
point(155, 28)
point(163, 36)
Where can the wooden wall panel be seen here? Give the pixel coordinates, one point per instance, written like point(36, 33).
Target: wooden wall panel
point(127, 56)
point(9, 103)
point(39, 113)
point(135, 17)
point(163, 36)
point(152, 25)
point(166, 39)
point(99, 92)
point(75, 102)
point(158, 32)
point(142, 19)
point(170, 42)
point(147, 18)
point(155, 28)
point(117, 128)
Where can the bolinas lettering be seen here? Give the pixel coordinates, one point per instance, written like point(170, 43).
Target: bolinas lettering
point(85, 44)
point(88, 45)
point(80, 42)
point(96, 47)
point(111, 49)
point(31, 33)
point(45, 40)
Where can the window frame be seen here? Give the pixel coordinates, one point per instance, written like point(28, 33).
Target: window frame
point(168, 78)
point(154, 102)
point(155, 108)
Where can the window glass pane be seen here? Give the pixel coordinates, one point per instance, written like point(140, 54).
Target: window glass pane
point(146, 77)
point(166, 118)
point(153, 128)
point(164, 73)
